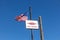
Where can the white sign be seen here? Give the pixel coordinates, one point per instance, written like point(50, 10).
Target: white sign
point(32, 24)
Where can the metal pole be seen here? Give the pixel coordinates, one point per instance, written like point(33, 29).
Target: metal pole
point(30, 12)
point(41, 30)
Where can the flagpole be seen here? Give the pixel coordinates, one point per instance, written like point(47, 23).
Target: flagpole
point(41, 30)
point(30, 12)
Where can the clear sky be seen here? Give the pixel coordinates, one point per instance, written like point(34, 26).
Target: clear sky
point(10, 29)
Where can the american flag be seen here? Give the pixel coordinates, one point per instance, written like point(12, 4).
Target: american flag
point(21, 17)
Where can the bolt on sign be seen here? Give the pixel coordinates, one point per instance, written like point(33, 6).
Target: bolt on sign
point(32, 24)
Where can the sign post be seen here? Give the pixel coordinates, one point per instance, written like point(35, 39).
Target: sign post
point(30, 10)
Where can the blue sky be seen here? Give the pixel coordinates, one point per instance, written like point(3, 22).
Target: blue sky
point(10, 29)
